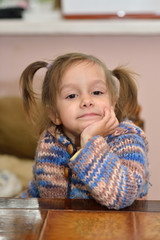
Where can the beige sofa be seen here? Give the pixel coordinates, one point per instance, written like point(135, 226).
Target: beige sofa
point(17, 140)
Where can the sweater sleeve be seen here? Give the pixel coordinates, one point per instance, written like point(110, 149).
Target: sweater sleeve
point(115, 174)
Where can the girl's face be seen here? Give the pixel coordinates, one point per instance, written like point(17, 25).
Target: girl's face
point(82, 98)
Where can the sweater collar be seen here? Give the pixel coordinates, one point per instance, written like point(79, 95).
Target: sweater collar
point(60, 137)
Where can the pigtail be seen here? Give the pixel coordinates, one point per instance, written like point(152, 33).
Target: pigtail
point(127, 102)
point(26, 85)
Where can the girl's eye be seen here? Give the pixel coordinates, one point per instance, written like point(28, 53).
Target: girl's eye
point(71, 96)
point(97, 93)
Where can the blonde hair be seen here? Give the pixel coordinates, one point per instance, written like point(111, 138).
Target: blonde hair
point(120, 82)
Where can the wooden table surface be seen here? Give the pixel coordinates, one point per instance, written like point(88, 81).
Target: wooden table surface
point(46, 219)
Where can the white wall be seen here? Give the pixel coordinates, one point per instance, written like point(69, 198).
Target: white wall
point(141, 53)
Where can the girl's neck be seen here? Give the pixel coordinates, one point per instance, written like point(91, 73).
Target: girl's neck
point(76, 141)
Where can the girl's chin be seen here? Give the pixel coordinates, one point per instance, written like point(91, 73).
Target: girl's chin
point(87, 124)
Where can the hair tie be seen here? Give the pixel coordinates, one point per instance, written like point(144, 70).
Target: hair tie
point(48, 65)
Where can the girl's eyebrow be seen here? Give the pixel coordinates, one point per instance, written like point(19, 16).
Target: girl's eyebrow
point(72, 85)
point(65, 86)
point(99, 81)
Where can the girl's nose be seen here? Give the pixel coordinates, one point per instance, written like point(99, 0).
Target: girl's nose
point(87, 101)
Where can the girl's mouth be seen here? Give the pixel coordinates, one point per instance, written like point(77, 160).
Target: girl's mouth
point(88, 115)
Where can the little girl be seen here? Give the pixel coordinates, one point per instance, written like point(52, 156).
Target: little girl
point(87, 147)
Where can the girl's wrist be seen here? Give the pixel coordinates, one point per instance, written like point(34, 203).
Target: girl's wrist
point(84, 140)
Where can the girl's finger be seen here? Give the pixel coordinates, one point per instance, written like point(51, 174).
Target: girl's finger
point(111, 124)
point(107, 115)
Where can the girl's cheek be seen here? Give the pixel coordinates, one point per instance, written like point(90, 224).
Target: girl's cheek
point(106, 106)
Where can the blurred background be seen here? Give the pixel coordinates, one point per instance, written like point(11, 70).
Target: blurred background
point(117, 32)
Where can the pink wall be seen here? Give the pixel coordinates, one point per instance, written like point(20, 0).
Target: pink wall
point(140, 53)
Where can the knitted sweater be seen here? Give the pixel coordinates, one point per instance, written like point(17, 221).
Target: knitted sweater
point(112, 170)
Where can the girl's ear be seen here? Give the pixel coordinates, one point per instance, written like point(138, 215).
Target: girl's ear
point(114, 102)
point(53, 116)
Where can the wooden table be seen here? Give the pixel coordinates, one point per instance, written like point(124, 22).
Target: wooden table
point(46, 219)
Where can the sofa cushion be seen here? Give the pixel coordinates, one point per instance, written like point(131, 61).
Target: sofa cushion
point(21, 168)
point(17, 134)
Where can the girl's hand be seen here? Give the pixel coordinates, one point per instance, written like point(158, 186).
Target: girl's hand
point(103, 127)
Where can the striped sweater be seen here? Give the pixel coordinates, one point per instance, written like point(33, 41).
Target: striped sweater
point(112, 170)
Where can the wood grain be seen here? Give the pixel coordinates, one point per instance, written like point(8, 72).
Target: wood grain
point(148, 226)
point(64, 225)
point(76, 219)
point(74, 204)
point(21, 224)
